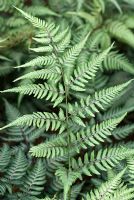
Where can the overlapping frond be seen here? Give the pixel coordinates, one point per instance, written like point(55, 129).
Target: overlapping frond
point(122, 193)
point(116, 61)
point(33, 182)
point(4, 157)
point(50, 149)
point(68, 178)
point(120, 31)
point(82, 75)
point(18, 167)
point(106, 189)
point(19, 133)
point(98, 101)
point(95, 134)
point(103, 160)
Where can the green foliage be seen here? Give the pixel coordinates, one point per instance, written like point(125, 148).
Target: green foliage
point(71, 134)
point(106, 189)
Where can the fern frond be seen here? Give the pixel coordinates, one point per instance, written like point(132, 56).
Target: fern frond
point(116, 112)
point(41, 119)
point(43, 49)
point(95, 134)
point(128, 20)
point(19, 133)
point(40, 10)
point(123, 131)
point(41, 91)
point(39, 61)
point(103, 160)
point(50, 74)
point(67, 178)
point(122, 193)
point(63, 44)
point(95, 39)
point(130, 165)
point(106, 189)
point(84, 74)
point(41, 24)
point(4, 187)
point(6, 5)
point(5, 155)
point(69, 57)
point(116, 61)
point(50, 149)
point(34, 182)
point(13, 22)
point(99, 101)
point(17, 168)
point(120, 31)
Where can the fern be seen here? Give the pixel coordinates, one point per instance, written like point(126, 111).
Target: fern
point(73, 126)
point(17, 168)
point(104, 160)
point(88, 72)
point(21, 133)
point(130, 165)
point(41, 91)
point(35, 179)
point(35, 21)
point(123, 193)
point(49, 120)
point(106, 189)
point(117, 61)
point(67, 179)
point(119, 30)
point(5, 157)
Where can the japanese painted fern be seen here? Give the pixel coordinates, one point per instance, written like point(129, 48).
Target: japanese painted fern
point(76, 125)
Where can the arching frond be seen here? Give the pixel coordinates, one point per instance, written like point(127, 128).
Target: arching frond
point(116, 61)
point(50, 149)
point(39, 61)
point(39, 119)
point(36, 21)
point(99, 101)
point(106, 189)
point(103, 160)
point(120, 31)
point(95, 134)
point(41, 91)
point(82, 75)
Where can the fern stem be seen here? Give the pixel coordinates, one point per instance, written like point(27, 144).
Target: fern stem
point(66, 103)
point(25, 139)
point(68, 135)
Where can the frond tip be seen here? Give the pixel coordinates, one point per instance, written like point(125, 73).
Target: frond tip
point(36, 21)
